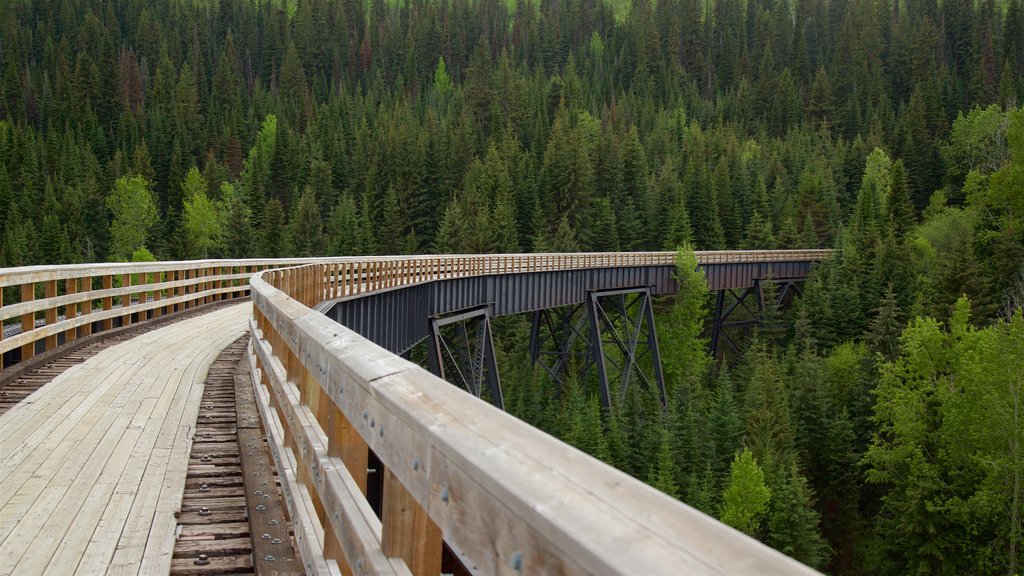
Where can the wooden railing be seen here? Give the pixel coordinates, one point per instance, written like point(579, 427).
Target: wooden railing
point(62, 303)
point(505, 497)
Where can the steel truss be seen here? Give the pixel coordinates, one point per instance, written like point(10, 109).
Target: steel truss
point(788, 288)
point(613, 331)
point(461, 350)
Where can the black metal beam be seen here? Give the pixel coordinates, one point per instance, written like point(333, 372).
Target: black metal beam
point(471, 357)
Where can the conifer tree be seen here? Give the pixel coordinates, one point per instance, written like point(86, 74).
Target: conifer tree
point(237, 239)
point(793, 521)
point(745, 499)
point(663, 475)
point(273, 240)
point(306, 228)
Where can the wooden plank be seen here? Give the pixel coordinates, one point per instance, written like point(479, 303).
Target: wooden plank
point(344, 442)
point(409, 533)
point(258, 478)
point(28, 321)
point(100, 450)
point(126, 298)
point(156, 555)
point(108, 301)
point(71, 310)
point(50, 315)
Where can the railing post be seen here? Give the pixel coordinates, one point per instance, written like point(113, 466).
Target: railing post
point(28, 320)
point(180, 276)
point(50, 291)
point(85, 307)
point(157, 294)
point(126, 300)
point(108, 301)
point(408, 532)
point(2, 365)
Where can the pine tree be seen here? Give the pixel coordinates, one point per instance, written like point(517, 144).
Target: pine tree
point(237, 238)
point(793, 521)
point(770, 434)
point(663, 472)
point(725, 429)
point(745, 499)
point(306, 227)
point(343, 229)
point(273, 241)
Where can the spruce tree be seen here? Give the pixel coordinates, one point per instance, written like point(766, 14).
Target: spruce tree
point(306, 228)
point(273, 240)
point(745, 499)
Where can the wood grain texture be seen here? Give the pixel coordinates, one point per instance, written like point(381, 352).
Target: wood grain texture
point(93, 464)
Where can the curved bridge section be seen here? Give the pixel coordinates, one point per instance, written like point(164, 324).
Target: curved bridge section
point(395, 315)
point(460, 480)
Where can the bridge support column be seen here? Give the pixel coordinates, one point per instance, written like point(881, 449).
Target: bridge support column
point(461, 351)
point(613, 330)
point(624, 320)
point(751, 301)
point(560, 342)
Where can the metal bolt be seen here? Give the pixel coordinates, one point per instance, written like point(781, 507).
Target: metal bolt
point(517, 562)
point(444, 495)
point(202, 560)
point(261, 507)
point(204, 511)
point(275, 541)
point(372, 422)
point(265, 536)
point(274, 521)
point(381, 430)
point(258, 492)
point(415, 463)
point(204, 488)
point(269, 558)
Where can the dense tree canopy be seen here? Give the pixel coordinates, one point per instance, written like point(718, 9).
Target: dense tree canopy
point(869, 428)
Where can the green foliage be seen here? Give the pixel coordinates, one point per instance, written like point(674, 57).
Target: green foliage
point(305, 228)
point(134, 215)
point(947, 447)
point(663, 473)
point(745, 500)
point(236, 223)
point(686, 361)
point(793, 521)
point(201, 222)
point(327, 127)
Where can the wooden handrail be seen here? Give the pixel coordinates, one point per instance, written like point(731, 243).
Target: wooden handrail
point(54, 303)
point(506, 497)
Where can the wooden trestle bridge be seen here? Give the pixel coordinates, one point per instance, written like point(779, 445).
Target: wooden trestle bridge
point(384, 467)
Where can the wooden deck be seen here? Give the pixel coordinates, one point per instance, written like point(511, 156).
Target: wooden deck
point(93, 465)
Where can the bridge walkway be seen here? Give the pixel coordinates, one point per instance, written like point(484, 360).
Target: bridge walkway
point(93, 465)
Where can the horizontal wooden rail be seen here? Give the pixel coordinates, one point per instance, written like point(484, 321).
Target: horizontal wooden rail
point(505, 497)
point(57, 304)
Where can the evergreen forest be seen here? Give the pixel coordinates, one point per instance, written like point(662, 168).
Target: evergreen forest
point(875, 426)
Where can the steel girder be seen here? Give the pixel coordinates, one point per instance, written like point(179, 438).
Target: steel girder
point(613, 331)
point(753, 312)
point(461, 351)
